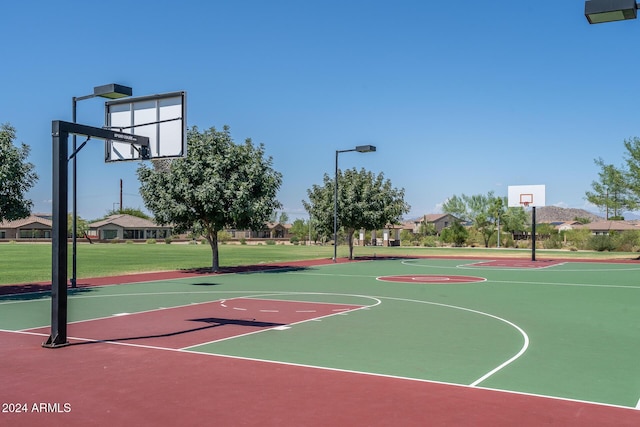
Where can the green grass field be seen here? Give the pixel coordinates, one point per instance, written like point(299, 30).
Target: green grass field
point(28, 263)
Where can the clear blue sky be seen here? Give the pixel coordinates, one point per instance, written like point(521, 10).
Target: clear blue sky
point(458, 97)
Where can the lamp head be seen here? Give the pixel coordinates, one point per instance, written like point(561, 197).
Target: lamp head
point(365, 148)
point(112, 91)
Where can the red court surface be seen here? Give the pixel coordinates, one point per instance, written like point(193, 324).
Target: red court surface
point(117, 385)
point(195, 324)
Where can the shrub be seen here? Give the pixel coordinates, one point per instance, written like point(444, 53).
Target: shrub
point(627, 241)
point(223, 236)
point(129, 242)
point(270, 242)
point(243, 241)
point(151, 241)
point(429, 241)
point(168, 240)
point(601, 243)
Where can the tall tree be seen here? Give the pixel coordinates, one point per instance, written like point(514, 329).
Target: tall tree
point(484, 210)
point(17, 176)
point(218, 184)
point(612, 193)
point(364, 201)
point(456, 206)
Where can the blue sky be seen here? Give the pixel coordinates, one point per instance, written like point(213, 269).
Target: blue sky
point(457, 97)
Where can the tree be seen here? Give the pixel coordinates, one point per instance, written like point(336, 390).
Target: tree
point(17, 176)
point(299, 230)
point(128, 211)
point(483, 210)
point(457, 207)
point(364, 201)
point(455, 234)
point(611, 192)
point(218, 184)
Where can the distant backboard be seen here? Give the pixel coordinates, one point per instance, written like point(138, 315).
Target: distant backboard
point(162, 118)
point(526, 196)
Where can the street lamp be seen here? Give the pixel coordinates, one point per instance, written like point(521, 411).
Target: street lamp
point(111, 91)
point(598, 11)
point(359, 149)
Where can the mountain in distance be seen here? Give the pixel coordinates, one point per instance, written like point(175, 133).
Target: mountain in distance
point(558, 214)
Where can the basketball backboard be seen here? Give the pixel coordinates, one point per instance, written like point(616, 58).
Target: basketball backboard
point(526, 196)
point(161, 118)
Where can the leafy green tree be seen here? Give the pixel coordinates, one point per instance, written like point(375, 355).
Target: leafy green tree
point(17, 176)
point(612, 193)
point(128, 211)
point(455, 234)
point(632, 160)
point(218, 184)
point(82, 226)
point(456, 206)
point(482, 209)
point(364, 201)
point(514, 220)
point(300, 230)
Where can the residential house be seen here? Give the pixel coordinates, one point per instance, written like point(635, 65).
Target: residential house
point(439, 221)
point(605, 227)
point(271, 231)
point(30, 228)
point(127, 227)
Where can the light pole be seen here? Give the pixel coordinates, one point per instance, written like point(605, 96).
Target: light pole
point(599, 11)
point(111, 91)
point(359, 149)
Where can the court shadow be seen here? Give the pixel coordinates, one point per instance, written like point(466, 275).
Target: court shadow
point(212, 322)
point(33, 295)
point(246, 269)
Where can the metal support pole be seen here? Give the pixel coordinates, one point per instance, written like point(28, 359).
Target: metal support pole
point(74, 223)
point(60, 141)
point(335, 212)
point(533, 234)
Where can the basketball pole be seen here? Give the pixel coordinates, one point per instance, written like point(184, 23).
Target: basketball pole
point(60, 131)
point(533, 233)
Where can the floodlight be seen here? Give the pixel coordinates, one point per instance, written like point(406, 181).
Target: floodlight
point(598, 11)
point(365, 148)
point(112, 91)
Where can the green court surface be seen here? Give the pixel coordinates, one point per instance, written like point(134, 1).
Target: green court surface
point(567, 330)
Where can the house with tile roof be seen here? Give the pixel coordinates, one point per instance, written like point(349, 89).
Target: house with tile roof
point(606, 227)
point(127, 227)
point(439, 221)
point(30, 228)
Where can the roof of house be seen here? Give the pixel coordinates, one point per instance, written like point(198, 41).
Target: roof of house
point(31, 219)
point(125, 221)
point(608, 226)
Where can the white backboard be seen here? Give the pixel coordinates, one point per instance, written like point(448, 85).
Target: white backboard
point(526, 196)
point(161, 118)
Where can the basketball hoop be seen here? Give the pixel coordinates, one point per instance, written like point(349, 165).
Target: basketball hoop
point(525, 204)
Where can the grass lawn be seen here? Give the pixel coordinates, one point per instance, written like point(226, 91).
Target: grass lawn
point(31, 262)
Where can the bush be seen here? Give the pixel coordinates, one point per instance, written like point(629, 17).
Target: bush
point(429, 241)
point(129, 242)
point(168, 240)
point(151, 241)
point(627, 241)
point(223, 236)
point(270, 242)
point(294, 240)
point(243, 241)
point(601, 243)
